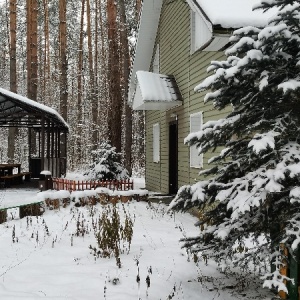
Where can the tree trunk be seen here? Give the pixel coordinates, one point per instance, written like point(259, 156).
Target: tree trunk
point(32, 60)
point(32, 42)
point(63, 70)
point(126, 71)
point(63, 59)
point(114, 77)
point(93, 97)
point(96, 72)
point(138, 5)
point(104, 102)
point(13, 74)
point(46, 75)
point(79, 87)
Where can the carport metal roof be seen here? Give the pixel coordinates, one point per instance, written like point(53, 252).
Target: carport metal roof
point(19, 111)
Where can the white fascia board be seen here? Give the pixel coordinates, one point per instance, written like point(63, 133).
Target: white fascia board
point(156, 105)
point(146, 39)
point(217, 43)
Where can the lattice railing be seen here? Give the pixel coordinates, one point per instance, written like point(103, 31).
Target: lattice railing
point(80, 185)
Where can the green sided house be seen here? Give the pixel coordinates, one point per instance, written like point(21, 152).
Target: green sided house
point(177, 40)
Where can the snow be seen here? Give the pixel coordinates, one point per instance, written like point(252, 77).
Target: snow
point(45, 172)
point(295, 194)
point(289, 85)
point(156, 87)
point(14, 197)
point(261, 142)
point(270, 31)
point(235, 13)
point(60, 265)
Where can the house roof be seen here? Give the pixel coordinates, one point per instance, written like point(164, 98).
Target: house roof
point(225, 13)
point(157, 91)
point(233, 13)
point(19, 111)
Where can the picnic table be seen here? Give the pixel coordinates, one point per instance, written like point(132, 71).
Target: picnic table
point(11, 174)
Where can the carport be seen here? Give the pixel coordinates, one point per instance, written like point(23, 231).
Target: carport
point(43, 122)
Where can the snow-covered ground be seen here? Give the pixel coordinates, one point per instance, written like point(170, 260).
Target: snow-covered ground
point(42, 257)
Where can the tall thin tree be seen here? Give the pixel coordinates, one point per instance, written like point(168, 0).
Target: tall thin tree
point(104, 105)
point(32, 58)
point(125, 74)
point(92, 94)
point(63, 80)
point(46, 74)
point(63, 58)
point(79, 86)
point(13, 72)
point(114, 77)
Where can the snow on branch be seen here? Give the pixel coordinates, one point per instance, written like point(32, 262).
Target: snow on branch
point(261, 142)
point(290, 85)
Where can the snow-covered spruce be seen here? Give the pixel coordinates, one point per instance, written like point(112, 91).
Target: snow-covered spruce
point(106, 164)
point(252, 190)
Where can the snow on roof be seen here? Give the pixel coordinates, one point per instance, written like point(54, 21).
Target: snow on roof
point(157, 87)
point(23, 100)
point(234, 13)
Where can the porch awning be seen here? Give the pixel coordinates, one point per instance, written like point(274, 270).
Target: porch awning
point(155, 92)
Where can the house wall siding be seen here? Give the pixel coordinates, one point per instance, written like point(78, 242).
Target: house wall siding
point(189, 70)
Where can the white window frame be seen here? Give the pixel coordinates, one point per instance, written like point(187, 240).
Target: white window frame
point(196, 123)
point(156, 143)
point(155, 66)
point(200, 30)
point(193, 31)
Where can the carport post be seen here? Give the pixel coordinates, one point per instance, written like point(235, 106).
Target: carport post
point(43, 143)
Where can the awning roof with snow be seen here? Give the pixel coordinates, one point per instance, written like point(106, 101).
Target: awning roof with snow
point(19, 111)
point(155, 92)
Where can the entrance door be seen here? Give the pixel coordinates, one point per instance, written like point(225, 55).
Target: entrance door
point(173, 157)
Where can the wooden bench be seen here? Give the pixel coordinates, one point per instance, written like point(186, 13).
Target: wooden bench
point(12, 179)
point(15, 178)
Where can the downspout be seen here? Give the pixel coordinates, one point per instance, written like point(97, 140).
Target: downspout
point(189, 92)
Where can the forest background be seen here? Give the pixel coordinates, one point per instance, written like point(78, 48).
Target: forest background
point(75, 57)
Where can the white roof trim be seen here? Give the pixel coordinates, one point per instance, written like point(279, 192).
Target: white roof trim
point(217, 43)
point(146, 39)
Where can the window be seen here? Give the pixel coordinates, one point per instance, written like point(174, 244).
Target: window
point(156, 143)
point(196, 121)
point(155, 67)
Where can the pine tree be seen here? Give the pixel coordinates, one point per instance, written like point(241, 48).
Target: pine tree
point(252, 190)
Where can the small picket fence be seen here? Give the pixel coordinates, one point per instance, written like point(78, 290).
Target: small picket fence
point(81, 185)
